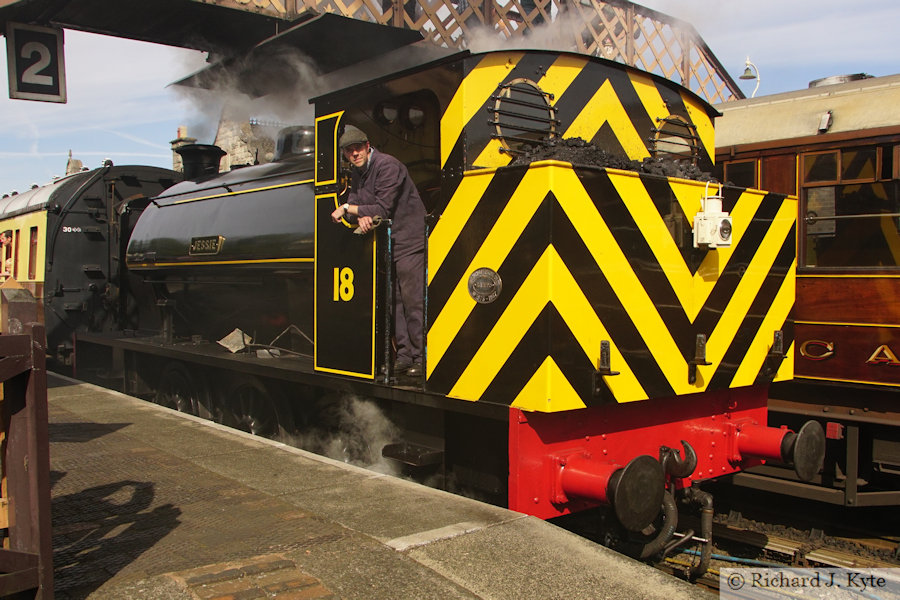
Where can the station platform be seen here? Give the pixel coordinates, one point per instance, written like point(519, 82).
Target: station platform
point(149, 503)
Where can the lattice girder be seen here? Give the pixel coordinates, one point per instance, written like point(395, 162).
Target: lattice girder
point(616, 30)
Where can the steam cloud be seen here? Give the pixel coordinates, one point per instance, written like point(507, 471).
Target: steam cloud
point(558, 34)
point(352, 430)
point(290, 78)
point(231, 94)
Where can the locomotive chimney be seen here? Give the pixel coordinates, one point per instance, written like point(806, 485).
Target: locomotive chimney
point(200, 159)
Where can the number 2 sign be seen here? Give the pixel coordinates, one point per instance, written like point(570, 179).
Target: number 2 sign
point(34, 57)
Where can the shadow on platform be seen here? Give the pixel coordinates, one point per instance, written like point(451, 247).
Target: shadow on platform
point(101, 530)
point(82, 432)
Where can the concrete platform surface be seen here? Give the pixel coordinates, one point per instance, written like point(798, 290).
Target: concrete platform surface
point(151, 503)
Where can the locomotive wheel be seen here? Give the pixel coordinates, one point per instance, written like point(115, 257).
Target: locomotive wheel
point(179, 390)
point(249, 406)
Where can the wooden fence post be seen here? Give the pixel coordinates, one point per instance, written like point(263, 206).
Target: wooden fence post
point(26, 558)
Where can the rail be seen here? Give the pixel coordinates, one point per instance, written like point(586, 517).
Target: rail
point(26, 561)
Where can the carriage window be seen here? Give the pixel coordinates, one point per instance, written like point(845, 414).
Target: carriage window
point(15, 257)
point(887, 162)
point(895, 163)
point(853, 225)
point(820, 167)
point(858, 164)
point(741, 173)
point(32, 254)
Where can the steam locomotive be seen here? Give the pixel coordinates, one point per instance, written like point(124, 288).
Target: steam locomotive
point(596, 336)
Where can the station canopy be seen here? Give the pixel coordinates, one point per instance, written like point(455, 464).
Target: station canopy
point(205, 26)
point(248, 34)
point(249, 43)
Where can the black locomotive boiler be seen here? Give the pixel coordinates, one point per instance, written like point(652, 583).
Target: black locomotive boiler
point(597, 335)
point(212, 284)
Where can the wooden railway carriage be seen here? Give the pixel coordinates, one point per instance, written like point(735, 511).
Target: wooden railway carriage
point(836, 146)
point(68, 241)
point(594, 335)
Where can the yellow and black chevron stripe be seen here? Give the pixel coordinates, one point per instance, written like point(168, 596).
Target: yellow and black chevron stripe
point(587, 255)
point(610, 104)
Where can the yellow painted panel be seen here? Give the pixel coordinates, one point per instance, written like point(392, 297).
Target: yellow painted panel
point(555, 81)
point(548, 390)
point(505, 335)
point(492, 156)
point(692, 289)
point(605, 107)
point(704, 124)
point(646, 216)
point(690, 198)
point(649, 95)
point(471, 95)
point(786, 371)
point(515, 216)
point(762, 342)
point(750, 283)
point(466, 197)
point(715, 262)
point(561, 74)
point(549, 281)
point(588, 329)
point(618, 271)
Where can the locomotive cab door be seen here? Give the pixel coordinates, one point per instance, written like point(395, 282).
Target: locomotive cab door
point(347, 274)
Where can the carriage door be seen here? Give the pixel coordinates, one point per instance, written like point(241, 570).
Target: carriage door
point(346, 306)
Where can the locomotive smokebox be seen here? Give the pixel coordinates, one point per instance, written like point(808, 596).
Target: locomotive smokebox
point(200, 159)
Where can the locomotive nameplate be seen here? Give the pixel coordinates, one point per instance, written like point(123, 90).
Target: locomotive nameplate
point(485, 285)
point(211, 244)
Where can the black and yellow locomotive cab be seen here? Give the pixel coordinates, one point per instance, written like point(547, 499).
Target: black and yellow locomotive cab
point(551, 286)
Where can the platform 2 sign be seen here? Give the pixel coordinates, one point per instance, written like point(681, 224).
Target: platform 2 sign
point(36, 64)
point(345, 296)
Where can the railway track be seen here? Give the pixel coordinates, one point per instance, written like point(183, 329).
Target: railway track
point(767, 530)
point(792, 552)
point(770, 531)
point(733, 546)
point(811, 532)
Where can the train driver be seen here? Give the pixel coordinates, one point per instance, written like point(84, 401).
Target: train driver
point(380, 186)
